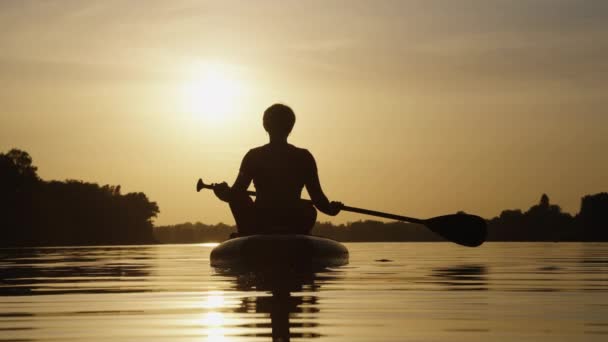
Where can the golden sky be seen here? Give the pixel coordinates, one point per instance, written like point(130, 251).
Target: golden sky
point(413, 107)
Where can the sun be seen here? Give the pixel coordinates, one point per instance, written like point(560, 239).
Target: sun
point(212, 93)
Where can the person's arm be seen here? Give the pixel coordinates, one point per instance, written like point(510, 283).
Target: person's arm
point(241, 184)
point(320, 201)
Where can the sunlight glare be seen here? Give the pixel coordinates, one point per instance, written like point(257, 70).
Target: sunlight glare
point(214, 323)
point(209, 244)
point(214, 300)
point(212, 93)
point(213, 319)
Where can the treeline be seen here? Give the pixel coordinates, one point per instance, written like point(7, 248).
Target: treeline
point(542, 222)
point(374, 231)
point(547, 222)
point(193, 233)
point(352, 232)
point(34, 212)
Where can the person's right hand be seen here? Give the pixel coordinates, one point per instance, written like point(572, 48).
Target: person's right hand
point(222, 191)
point(335, 208)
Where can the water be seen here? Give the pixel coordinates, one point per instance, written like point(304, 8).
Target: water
point(423, 292)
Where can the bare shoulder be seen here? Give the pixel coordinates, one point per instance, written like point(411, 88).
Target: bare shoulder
point(306, 158)
point(303, 153)
point(257, 150)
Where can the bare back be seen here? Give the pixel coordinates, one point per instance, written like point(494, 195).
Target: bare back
point(279, 173)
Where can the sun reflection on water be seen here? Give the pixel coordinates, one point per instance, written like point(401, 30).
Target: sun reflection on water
point(213, 322)
point(214, 300)
point(430, 292)
point(213, 319)
point(209, 244)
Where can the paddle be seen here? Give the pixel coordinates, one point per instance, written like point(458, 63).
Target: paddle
point(463, 229)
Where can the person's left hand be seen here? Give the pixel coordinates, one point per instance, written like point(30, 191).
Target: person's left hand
point(335, 208)
point(222, 191)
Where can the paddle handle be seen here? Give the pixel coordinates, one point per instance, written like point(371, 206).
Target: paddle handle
point(201, 185)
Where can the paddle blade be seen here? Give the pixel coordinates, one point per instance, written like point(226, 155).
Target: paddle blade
point(463, 229)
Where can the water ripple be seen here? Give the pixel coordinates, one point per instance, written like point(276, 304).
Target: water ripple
point(389, 292)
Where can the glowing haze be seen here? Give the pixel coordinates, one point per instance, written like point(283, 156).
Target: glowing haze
point(413, 107)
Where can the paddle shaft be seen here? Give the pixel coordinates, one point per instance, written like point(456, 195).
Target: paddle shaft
point(381, 214)
point(347, 208)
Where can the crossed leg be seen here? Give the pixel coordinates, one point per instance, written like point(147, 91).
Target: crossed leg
point(253, 220)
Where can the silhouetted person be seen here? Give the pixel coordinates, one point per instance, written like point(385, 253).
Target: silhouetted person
point(279, 172)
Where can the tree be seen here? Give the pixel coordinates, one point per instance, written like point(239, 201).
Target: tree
point(544, 202)
point(34, 212)
point(16, 171)
point(542, 222)
point(593, 217)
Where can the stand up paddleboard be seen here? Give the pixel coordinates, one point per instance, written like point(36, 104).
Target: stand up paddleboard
point(277, 251)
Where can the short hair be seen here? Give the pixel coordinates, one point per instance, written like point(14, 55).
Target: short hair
point(279, 119)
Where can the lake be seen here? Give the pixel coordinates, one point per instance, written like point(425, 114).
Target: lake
point(388, 292)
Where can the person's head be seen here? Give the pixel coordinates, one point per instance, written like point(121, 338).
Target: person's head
point(279, 120)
